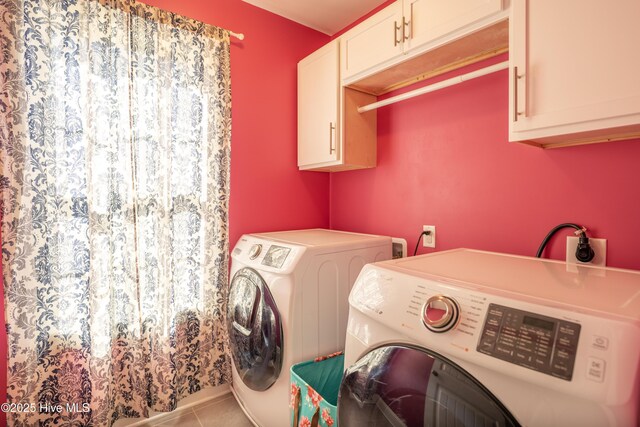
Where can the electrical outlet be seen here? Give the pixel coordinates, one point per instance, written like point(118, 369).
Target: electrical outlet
point(599, 247)
point(429, 241)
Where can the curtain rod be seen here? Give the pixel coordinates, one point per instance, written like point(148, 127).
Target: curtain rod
point(239, 36)
point(433, 87)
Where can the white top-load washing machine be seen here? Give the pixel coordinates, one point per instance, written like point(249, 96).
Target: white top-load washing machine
point(288, 302)
point(471, 338)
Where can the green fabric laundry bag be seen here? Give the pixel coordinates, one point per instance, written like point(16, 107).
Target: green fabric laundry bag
point(314, 391)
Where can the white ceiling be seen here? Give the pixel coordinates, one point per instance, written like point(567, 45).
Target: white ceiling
point(326, 16)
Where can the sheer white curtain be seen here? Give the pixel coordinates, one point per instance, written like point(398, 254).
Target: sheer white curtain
point(115, 135)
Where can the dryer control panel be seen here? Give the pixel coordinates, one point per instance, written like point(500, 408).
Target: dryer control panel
point(275, 256)
point(537, 342)
point(265, 255)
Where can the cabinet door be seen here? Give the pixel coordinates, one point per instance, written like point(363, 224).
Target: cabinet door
point(372, 42)
point(318, 85)
point(428, 20)
point(575, 67)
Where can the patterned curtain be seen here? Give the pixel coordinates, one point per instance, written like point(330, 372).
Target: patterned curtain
point(115, 127)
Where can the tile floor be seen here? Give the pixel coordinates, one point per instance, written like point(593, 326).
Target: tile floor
point(222, 412)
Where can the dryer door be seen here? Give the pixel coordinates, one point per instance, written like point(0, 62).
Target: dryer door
point(399, 385)
point(255, 330)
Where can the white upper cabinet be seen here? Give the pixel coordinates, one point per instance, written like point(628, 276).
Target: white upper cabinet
point(318, 107)
point(427, 20)
point(332, 135)
point(405, 42)
point(407, 28)
point(373, 41)
point(574, 72)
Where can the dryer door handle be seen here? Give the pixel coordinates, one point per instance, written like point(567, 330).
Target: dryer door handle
point(247, 319)
point(238, 327)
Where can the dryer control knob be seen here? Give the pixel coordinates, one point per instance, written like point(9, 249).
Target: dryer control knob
point(440, 313)
point(255, 251)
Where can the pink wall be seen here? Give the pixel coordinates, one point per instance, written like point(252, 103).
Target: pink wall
point(444, 159)
point(267, 190)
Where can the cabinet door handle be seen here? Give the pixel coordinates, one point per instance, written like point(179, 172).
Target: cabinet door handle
point(397, 27)
point(516, 77)
point(406, 35)
point(332, 128)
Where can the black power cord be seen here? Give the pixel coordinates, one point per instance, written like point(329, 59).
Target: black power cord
point(584, 252)
point(424, 233)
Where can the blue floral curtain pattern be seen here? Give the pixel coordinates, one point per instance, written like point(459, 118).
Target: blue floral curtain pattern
point(115, 128)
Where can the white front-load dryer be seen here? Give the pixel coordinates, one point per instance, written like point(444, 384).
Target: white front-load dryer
point(472, 338)
point(288, 302)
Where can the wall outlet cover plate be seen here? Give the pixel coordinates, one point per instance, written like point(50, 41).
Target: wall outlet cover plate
point(599, 247)
point(430, 240)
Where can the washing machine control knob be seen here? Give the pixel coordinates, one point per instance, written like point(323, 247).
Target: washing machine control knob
point(255, 251)
point(440, 313)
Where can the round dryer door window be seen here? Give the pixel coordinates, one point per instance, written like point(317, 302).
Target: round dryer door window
point(255, 330)
point(398, 385)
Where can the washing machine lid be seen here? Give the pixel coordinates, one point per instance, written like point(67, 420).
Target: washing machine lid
point(255, 330)
point(400, 385)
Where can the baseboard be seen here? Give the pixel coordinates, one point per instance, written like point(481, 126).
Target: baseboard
point(209, 395)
